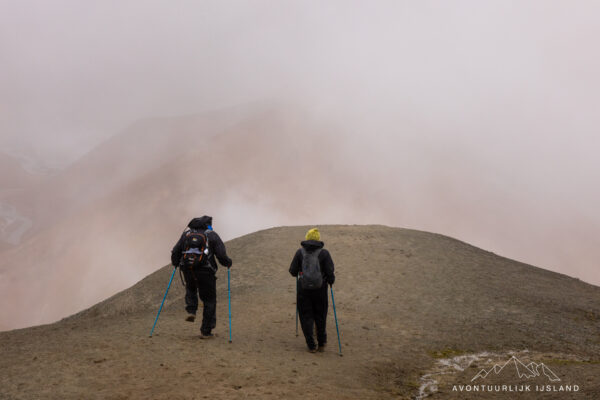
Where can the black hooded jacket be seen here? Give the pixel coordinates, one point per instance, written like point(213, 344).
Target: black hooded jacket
point(325, 261)
point(215, 244)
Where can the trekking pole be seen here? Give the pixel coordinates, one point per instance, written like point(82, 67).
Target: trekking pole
point(163, 301)
point(296, 305)
point(336, 321)
point(229, 295)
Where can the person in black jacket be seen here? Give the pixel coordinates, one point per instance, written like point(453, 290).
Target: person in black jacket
point(313, 303)
point(201, 280)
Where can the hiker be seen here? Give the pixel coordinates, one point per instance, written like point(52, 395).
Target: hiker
point(313, 266)
point(195, 254)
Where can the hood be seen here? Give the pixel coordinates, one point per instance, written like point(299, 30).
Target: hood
point(312, 244)
point(200, 223)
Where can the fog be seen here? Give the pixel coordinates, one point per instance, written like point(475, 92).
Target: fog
point(74, 73)
point(473, 119)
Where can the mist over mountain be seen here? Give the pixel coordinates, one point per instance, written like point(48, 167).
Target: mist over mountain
point(104, 222)
point(476, 120)
point(112, 228)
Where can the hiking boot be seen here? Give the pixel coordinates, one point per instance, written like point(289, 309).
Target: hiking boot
point(313, 350)
point(206, 335)
point(190, 317)
point(322, 347)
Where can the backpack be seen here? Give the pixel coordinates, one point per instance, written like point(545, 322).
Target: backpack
point(195, 249)
point(310, 277)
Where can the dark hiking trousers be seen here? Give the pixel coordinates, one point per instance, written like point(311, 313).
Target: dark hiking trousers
point(202, 283)
point(312, 308)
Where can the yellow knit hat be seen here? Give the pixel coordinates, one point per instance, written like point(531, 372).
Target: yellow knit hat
point(313, 234)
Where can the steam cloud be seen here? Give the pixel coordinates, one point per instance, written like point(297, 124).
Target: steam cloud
point(473, 119)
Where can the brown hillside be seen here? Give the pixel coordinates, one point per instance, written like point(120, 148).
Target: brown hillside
point(140, 148)
point(250, 175)
point(406, 300)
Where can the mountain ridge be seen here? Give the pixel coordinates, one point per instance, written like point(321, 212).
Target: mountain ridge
point(400, 294)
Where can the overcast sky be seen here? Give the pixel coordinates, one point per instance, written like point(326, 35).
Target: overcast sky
point(509, 90)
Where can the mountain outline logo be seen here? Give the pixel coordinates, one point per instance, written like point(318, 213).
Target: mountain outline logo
point(528, 371)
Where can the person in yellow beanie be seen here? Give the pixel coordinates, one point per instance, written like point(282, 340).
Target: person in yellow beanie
point(313, 266)
point(313, 234)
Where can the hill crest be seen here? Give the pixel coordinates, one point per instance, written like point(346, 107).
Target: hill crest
point(402, 296)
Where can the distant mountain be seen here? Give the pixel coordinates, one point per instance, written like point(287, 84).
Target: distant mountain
point(110, 218)
point(113, 164)
point(118, 211)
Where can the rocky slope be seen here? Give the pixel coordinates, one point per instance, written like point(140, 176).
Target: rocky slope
point(418, 312)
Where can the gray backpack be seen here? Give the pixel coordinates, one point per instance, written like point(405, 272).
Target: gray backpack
point(311, 276)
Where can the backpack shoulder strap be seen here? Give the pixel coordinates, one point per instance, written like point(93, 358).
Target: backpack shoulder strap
point(206, 238)
point(189, 232)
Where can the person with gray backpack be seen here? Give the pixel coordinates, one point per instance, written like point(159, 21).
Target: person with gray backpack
point(313, 267)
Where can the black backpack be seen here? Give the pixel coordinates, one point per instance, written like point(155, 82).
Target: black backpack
point(311, 276)
point(195, 249)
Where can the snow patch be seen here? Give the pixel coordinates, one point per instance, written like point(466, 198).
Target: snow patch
point(12, 225)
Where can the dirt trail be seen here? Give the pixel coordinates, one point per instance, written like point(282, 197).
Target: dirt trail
point(405, 299)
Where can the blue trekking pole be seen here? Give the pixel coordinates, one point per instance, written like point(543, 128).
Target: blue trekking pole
point(163, 301)
point(296, 305)
point(336, 321)
point(229, 293)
